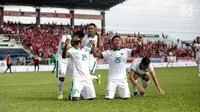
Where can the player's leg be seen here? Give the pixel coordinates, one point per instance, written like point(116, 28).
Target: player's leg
point(54, 67)
point(6, 68)
point(123, 89)
point(172, 64)
point(135, 89)
point(168, 63)
point(62, 66)
point(145, 82)
point(198, 65)
point(10, 68)
point(88, 91)
point(111, 89)
point(77, 87)
point(92, 68)
point(35, 67)
point(38, 67)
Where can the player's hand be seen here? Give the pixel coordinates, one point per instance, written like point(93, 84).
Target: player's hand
point(161, 91)
point(98, 31)
point(92, 42)
point(67, 42)
point(141, 89)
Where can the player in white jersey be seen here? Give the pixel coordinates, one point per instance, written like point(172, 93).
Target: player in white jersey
point(171, 59)
point(117, 59)
point(139, 69)
point(62, 65)
point(197, 49)
point(81, 79)
point(94, 35)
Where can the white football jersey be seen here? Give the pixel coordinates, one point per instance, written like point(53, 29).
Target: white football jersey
point(197, 49)
point(135, 66)
point(62, 41)
point(79, 59)
point(117, 60)
point(86, 43)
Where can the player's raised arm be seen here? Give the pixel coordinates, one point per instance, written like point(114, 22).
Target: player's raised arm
point(99, 42)
point(66, 54)
point(153, 75)
point(96, 52)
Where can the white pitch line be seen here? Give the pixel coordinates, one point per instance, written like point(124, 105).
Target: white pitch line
point(21, 84)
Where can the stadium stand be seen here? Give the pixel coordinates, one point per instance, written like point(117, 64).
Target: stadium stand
point(43, 40)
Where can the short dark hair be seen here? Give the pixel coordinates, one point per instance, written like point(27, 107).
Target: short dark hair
point(80, 34)
point(145, 61)
point(92, 24)
point(116, 36)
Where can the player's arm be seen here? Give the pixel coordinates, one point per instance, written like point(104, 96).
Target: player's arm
point(96, 52)
point(99, 42)
point(66, 54)
point(132, 76)
point(153, 75)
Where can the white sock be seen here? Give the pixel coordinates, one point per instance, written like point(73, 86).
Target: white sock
point(135, 88)
point(145, 83)
point(60, 86)
point(94, 77)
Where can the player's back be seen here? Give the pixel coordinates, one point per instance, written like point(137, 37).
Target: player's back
point(79, 58)
point(135, 66)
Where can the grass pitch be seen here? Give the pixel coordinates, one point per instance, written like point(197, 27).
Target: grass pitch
point(30, 92)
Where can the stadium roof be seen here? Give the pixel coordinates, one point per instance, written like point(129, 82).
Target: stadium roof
point(69, 4)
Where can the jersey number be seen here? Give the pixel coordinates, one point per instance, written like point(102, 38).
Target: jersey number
point(84, 57)
point(117, 60)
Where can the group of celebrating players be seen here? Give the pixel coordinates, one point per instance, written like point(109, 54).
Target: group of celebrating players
point(77, 55)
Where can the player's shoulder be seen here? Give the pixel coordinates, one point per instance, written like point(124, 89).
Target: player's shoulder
point(85, 37)
point(64, 36)
point(72, 49)
point(196, 44)
point(86, 48)
point(137, 60)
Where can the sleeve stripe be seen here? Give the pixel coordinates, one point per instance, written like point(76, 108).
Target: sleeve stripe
point(101, 55)
point(62, 42)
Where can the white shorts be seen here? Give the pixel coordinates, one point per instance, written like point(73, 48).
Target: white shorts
point(84, 88)
point(92, 65)
point(61, 67)
point(123, 89)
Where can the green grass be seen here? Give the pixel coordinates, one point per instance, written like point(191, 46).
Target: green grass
point(29, 92)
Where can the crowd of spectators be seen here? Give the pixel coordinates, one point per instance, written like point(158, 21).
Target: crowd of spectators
point(43, 40)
